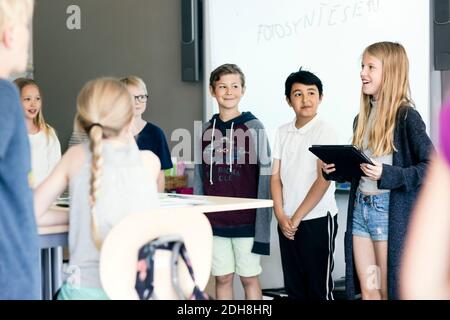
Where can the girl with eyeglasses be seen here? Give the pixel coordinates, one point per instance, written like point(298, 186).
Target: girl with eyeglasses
point(148, 136)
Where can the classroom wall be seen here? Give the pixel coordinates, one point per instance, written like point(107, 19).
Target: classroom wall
point(117, 38)
point(121, 37)
point(141, 37)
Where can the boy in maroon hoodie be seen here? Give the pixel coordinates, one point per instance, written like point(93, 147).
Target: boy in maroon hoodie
point(235, 162)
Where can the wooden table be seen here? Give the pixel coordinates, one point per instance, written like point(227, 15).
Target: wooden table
point(53, 239)
point(214, 204)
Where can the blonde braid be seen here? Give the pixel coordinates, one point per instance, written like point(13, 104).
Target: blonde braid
point(96, 146)
point(104, 109)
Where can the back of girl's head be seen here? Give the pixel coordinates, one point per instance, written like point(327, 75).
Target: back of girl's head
point(395, 74)
point(303, 77)
point(225, 69)
point(134, 81)
point(104, 109)
point(106, 103)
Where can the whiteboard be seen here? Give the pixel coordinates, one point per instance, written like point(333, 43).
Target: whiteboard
point(269, 39)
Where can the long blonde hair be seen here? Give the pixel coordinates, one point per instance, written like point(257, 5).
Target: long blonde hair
point(104, 108)
point(394, 93)
point(39, 120)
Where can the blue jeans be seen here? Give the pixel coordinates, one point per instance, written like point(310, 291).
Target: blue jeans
point(371, 216)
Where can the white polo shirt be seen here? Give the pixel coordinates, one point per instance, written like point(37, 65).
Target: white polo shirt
point(298, 166)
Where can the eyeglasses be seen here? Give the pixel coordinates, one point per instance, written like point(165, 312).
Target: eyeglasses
point(141, 98)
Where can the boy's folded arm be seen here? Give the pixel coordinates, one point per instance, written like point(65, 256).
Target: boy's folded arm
point(313, 197)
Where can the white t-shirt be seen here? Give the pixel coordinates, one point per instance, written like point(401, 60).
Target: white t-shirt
point(45, 154)
point(367, 186)
point(298, 166)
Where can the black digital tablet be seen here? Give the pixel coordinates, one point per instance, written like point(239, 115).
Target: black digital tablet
point(347, 159)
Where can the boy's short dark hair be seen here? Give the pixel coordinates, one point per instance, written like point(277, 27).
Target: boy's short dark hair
point(304, 77)
point(228, 68)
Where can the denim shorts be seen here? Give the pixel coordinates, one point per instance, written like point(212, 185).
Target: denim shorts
point(371, 216)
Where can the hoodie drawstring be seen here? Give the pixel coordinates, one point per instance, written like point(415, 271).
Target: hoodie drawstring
point(212, 150)
point(231, 147)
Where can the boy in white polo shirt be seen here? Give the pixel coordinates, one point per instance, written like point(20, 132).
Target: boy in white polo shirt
point(304, 202)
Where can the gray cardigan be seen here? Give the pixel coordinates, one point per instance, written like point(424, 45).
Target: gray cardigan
point(403, 178)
